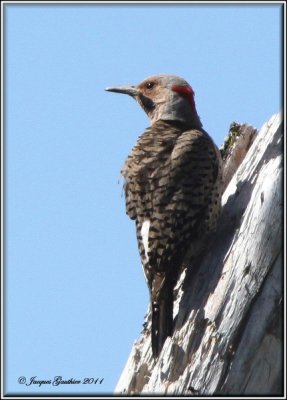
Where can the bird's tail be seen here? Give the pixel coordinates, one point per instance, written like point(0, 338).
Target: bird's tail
point(162, 320)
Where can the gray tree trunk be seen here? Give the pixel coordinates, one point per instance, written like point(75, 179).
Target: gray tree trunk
point(228, 335)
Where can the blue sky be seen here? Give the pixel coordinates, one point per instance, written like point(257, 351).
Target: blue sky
point(75, 295)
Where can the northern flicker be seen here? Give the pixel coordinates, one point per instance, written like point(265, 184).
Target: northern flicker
point(172, 188)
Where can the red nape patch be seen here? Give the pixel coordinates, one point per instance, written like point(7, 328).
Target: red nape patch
point(187, 92)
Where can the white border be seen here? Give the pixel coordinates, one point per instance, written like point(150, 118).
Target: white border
point(30, 395)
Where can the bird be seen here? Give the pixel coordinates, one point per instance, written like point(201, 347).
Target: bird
point(172, 185)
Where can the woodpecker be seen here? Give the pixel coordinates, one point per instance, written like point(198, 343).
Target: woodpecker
point(172, 184)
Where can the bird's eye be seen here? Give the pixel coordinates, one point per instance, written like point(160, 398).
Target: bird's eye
point(149, 85)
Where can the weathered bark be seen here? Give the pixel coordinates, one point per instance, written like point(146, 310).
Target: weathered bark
point(227, 337)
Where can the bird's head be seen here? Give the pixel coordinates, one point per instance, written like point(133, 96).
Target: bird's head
point(164, 97)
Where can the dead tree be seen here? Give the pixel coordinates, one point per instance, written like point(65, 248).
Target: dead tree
point(227, 336)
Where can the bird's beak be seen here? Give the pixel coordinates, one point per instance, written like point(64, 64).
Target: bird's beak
point(130, 90)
